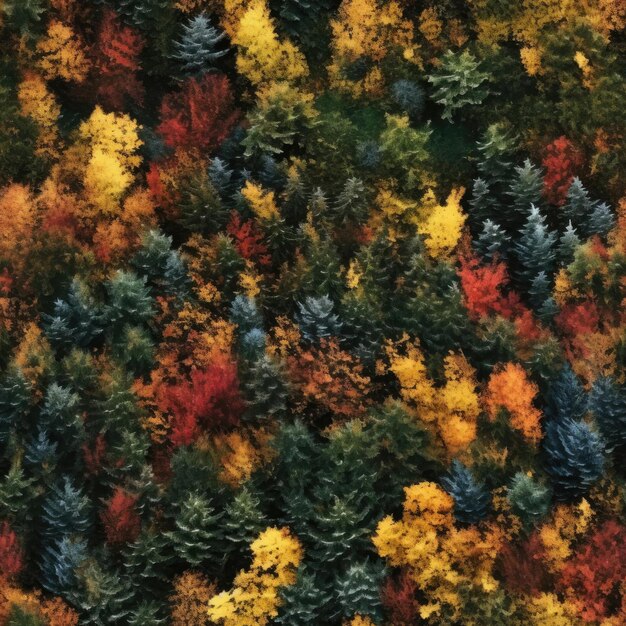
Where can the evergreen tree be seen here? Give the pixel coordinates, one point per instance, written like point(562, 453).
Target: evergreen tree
point(600, 221)
point(221, 177)
point(129, 301)
point(409, 96)
point(266, 388)
point(492, 241)
point(243, 521)
point(147, 613)
point(530, 500)
point(568, 243)
point(526, 189)
point(566, 397)
point(471, 499)
point(574, 457)
point(540, 289)
point(200, 206)
point(252, 345)
point(358, 590)
point(41, 452)
point(76, 321)
point(148, 562)
point(607, 403)
point(458, 82)
point(199, 48)
point(578, 205)
point(15, 400)
point(317, 319)
point(59, 561)
point(535, 247)
point(306, 601)
point(351, 205)
point(16, 496)
point(60, 417)
point(65, 511)
point(245, 314)
point(496, 153)
point(482, 203)
point(198, 536)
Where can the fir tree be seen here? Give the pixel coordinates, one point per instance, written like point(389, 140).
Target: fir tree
point(351, 205)
point(147, 613)
point(245, 314)
point(358, 590)
point(526, 189)
point(41, 452)
point(59, 562)
point(492, 241)
point(252, 345)
point(16, 496)
point(578, 205)
point(540, 289)
point(148, 562)
point(458, 82)
point(243, 521)
point(471, 499)
point(129, 300)
point(409, 96)
point(60, 415)
point(65, 511)
point(600, 221)
point(607, 403)
point(221, 177)
point(568, 243)
point(266, 388)
point(198, 535)
point(306, 601)
point(317, 319)
point(200, 206)
point(15, 400)
point(574, 457)
point(535, 247)
point(496, 152)
point(199, 47)
point(566, 397)
point(482, 202)
point(530, 500)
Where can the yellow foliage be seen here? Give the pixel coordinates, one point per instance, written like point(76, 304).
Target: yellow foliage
point(192, 593)
point(509, 388)
point(62, 54)
point(443, 226)
point(438, 556)
point(139, 211)
point(38, 103)
point(431, 25)
point(546, 609)
point(239, 456)
point(106, 180)
point(262, 57)
point(17, 219)
point(34, 355)
point(531, 60)
point(254, 600)
point(261, 202)
point(359, 620)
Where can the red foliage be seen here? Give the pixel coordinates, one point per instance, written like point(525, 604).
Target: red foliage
point(121, 522)
point(398, 597)
point(94, 457)
point(6, 282)
point(200, 116)
point(211, 400)
point(248, 240)
point(523, 567)
point(578, 319)
point(117, 60)
point(594, 577)
point(11, 558)
point(562, 161)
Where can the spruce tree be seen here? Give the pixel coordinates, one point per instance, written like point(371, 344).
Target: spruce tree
point(607, 403)
point(245, 314)
point(497, 149)
point(200, 206)
point(148, 562)
point(317, 319)
point(59, 560)
point(409, 96)
point(60, 416)
point(482, 202)
point(578, 205)
point(200, 46)
point(529, 499)
point(600, 221)
point(358, 590)
point(471, 498)
point(566, 397)
point(351, 205)
point(129, 301)
point(492, 241)
point(266, 388)
point(568, 243)
point(243, 521)
point(15, 401)
point(65, 511)
point(306, 601)
point(16, 496)
point(526, 189)
point(41, 453)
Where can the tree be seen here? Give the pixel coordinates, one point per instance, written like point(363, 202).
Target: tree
point(11, 554)
point(262, 57)
point(200, 116)
point(530, 500)
point(192, 593)
point(317, 320)
point(458, 82)
point(471, 498)
point(443, 225)
point(526, 188)
point(561, 163)
point(358, 590)
point(492, 241)
point(121, 521)
point(66, 511)
point(129, 301)
point(607, 403)
point(59, 561)
point(199, 48)
point(62, 54)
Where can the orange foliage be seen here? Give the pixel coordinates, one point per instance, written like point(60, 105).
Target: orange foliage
point(192, 592)
point(120, 519)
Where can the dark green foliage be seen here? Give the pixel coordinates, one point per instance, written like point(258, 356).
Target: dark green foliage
point(306, 601)
point(492, 241)
point(607, 403)
point(59, 562)
point(243, 521)
point(409, 96)
point(352, 204)
point(358, 590)
point(471, 498)
point(573, 455)
point(129, 301)
point(568, 243)
point(530, 500)
point(266, 388)
point(65, 511)
point(317, 319)
point(15, 399)
point(200, 207)
point(526, 188)
point(566, 397)
point(496, 153)
point(245, 313)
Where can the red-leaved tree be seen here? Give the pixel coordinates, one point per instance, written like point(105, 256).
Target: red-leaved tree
point(562, 162)
point(523, 566)
point(121, 521)
point(117, 53)
point(399, 598)
point(11, 557)
point(248, 240)
point(200, 115)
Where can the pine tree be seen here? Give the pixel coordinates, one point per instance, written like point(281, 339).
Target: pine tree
point(199, 48)
point(65, 511)
point(306, 601)
point(23, 15)
point(535, 247)
point(252, 345)
point(607, 403)
point(201, 207)
point(496, 153)
point(526, 189)
point(41, 453)
point(148, 613)
point(492, 241)
point(245, 314)
point(409, 96)
point(148, 561)
point(458, 82)
point(530, 500)
point(482, 202)
point(540, 290)
point(351, 205)
point(16, 497)
point(578, 205)
point(198, 535)
point(76, 321)
point(129, 301)
point(568, 243)
point(566, 397)
point(266, 388)
point(574, 457)
point(316, 318)
point(60, 417)
point(59, 561)
point(471, 499)
point(15, 401)
point(358, 590)
point(221, 177)
point(600, 221)
point(243, 521)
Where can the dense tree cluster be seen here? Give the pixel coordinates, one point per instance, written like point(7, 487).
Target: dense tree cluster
point(312, 312)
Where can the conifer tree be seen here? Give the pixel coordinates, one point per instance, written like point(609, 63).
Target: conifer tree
point(471, 498)
point(65, 511)
point(351, 205)
point(317, 319)
point(201, 208)
point(129, 300)
point(525, 189)
point(578, 205)
point(496, 152)
point(607, 403)
point(358, 590)
point(200, 46)
point(492, 241)
point(529, 499)
point(59, 562)
point(409, 96)
point(245, 313)
point(568, 243)
point(307, 601)
point(243, 520)
point(482, 203)
point(15, 400)
point(267, 389)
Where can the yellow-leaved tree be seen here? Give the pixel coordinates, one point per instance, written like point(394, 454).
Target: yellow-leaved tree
point(261, 202)
point(442, 224)
point(439, 557)
point(254, 599)
point(62, 54)
point(262, 57)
